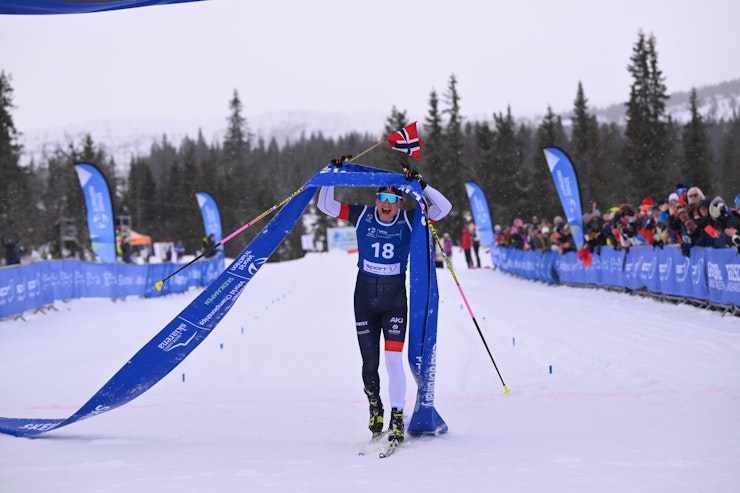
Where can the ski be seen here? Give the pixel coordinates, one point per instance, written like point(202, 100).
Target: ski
point(390, 449)
point(375, 440)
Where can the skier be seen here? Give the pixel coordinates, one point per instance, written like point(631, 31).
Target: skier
point(380, 301)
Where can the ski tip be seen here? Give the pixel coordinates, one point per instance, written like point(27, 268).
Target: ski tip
point(158, 285)
point(506, 389)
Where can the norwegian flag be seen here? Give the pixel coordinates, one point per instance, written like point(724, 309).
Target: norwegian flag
point(407, 140)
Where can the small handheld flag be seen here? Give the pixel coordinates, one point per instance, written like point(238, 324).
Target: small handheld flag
point(406, 140)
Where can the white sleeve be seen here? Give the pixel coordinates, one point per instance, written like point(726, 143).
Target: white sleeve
point(439, 206)
point(326, 202)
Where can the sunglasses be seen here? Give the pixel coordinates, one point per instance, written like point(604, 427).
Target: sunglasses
point(391, 198)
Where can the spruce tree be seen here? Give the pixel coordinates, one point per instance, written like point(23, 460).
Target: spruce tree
point(482, 171)
point(505, 168)
point(453, 131)
point(240, 181)
point(453, 169)
point(697, 156)
point(647, 147)
point(139, 197)
point(543, 193)
point(432, 158)
point(15, 202)
point(584, 150)
point(728, 161)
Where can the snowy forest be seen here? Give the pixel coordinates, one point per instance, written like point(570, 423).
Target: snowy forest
point(616, 163)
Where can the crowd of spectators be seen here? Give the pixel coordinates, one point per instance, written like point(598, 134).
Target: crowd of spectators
point(685, 219)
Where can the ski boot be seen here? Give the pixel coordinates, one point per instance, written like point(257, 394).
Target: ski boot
point(376, 413)
point(396, 428)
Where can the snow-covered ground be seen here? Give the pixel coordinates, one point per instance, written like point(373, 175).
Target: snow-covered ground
point(609, 393)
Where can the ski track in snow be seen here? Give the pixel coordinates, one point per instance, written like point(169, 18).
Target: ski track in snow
point(643, 396)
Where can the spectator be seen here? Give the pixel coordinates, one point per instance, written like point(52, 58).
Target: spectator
point(476, 243)
point(447, 244)
point(534, 238)
point(466, 243)
point(502, 236)
point(544, 236)
point(12, 252)
point(34, 255)
point(168, 250)
point(515, 238)
point(695, 196)
point(594, 233)
point(562, 238)
point(727, 221)
point(179, 250)
point(126, 250)
point(682, 191)
point(210, 246)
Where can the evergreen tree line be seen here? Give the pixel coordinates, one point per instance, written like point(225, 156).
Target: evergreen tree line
point(647, 156)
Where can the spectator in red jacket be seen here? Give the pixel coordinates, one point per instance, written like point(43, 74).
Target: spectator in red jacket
point(466, 243)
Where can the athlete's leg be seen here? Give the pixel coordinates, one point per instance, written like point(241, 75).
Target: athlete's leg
point(367, 324)
point(394, 333)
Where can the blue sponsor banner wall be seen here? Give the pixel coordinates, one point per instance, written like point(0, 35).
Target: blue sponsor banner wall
point(28, 287)
point(711, 274)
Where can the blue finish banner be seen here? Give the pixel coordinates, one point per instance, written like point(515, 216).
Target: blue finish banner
point(28, 287)
point(566, 183)
point(481, 213)
point(99, 211)
point(190, 327)
point(211, 216)
point(38, 7)
point(708, 274)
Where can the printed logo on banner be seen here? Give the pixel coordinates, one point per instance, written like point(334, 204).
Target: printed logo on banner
point(175, 339)
point(665, 269)
point(101, 220)
point(682, 270)
point(714, 276)
point(615, 265)
point(7, 293)
point(733, 272)
point(431, 374)
point(109, 279)
point(696, 272)
point(34, 286)
point(20, 291)
point(249, 262)
point(93, 279)
point(647, 271)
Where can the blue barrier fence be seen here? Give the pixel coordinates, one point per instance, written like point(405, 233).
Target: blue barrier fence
point(28, 287)
point(709, 274)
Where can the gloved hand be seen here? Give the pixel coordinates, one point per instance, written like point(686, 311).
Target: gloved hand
point(412, 174)
point(736, 241)
point(340, 161)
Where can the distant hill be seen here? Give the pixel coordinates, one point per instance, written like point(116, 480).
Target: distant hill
point(125, 139)
point(715, 102)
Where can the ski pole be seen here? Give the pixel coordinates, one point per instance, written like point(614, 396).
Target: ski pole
point(159, 284)
point(462, 294)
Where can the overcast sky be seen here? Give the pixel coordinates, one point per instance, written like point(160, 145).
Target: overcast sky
point(184, 61)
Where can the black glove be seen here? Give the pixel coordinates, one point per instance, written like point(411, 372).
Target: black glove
point(412, 174)
point(340, 161)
